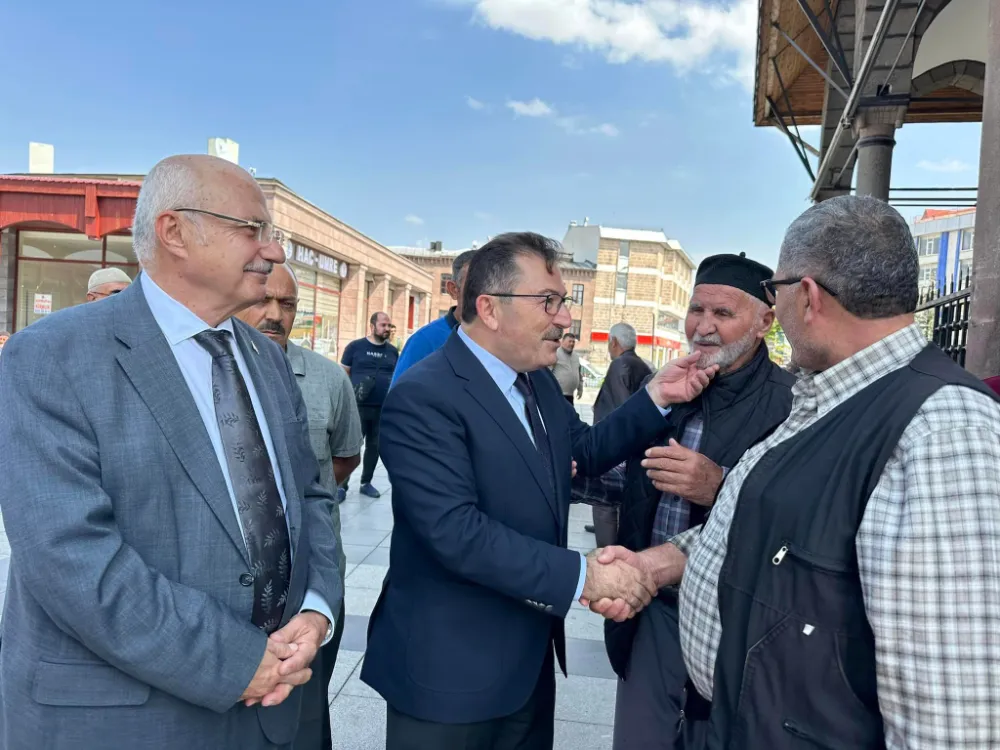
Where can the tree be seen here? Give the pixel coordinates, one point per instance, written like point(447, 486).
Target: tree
point(777, 345)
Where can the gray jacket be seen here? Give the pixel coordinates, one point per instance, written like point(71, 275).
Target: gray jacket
point(126, 624)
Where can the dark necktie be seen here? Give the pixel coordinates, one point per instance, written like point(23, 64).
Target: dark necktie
point(535, 420)
point(251, 473)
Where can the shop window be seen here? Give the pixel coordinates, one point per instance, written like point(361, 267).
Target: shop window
point(119, 250)
point(59, 246)
point(45, 287)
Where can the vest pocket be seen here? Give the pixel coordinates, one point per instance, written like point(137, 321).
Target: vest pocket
point(803, 733)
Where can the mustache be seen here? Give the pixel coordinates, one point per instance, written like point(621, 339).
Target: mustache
point(713, 338)
point(264, 266)
point(553, 334)
point(271, 326)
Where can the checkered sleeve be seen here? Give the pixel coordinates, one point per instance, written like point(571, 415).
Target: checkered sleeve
point(686, 539)
point(929, 557)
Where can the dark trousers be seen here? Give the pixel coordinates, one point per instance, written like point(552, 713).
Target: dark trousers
point(370, 418)
point(530, 728)
point(605, 524)
point(648, 704)
point(314, 721)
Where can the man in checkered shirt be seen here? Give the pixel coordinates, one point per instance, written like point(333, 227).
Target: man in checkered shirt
point(854, 554)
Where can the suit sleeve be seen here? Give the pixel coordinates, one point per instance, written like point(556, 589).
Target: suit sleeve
point(422, 442)
point(628, 430)
point(74, 562)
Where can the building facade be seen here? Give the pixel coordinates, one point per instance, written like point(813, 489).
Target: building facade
point(57, 230)
point(642, 278)
point(944, 245)
point(578, 275)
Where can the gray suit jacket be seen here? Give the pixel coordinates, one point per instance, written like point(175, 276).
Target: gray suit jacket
point(125, 624)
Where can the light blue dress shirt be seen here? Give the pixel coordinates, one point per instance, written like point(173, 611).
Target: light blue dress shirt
point(504, 376)
point(179, 326)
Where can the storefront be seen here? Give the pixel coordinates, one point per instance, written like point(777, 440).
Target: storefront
point(318, 318)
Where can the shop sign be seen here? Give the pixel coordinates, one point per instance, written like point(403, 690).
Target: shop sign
point(43, 304)
point(309, 257)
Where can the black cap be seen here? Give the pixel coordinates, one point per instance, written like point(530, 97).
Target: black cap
point(737, 271)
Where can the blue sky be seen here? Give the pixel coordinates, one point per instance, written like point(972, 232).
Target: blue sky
point(419, 120)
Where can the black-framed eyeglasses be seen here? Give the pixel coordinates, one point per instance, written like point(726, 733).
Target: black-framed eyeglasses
point(553, 302)
point(266, 231)
point(771, 286)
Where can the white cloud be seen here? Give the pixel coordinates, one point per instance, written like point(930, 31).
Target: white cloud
point(535, 108)
point(475, 103)
point(413, 219)
point(717, 37)
point(944, 165)
point(572, 124)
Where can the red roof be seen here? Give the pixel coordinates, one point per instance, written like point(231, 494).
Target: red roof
point(941, 213)
point(66, 180)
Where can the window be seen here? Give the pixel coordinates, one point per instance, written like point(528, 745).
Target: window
point(623, 249)
point(442, 313)
point(621, 283)
point(575, 329)
point(968, 236)
point(578, 294)
point(928, 245)
point(445, 278)
point(928, 274)
point(666, 321)
point(964, 271)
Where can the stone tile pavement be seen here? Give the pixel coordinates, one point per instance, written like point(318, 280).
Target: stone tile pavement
point(585, 701)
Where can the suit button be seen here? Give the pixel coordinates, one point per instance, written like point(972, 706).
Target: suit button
point(246, 579)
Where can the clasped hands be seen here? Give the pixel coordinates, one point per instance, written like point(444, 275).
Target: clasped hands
point(286, 660)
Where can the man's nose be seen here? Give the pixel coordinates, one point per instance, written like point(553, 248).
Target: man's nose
point(273, 252)
point(563, 319)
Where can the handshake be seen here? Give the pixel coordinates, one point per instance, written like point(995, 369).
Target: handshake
point(619, 583)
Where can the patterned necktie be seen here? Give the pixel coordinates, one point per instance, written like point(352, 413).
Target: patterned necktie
point(251, 473)
point(535, 420)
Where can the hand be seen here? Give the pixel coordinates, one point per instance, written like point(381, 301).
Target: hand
point(268, 677)
point(573, 470)
point(679, 381)
point(617, 579)
point(617, 609)
point(684, 472)
point(304, 633)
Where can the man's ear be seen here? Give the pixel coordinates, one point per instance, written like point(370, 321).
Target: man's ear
point(766, 322)
point(812, 299)
point(170, 233)
point(487, 308)
point(452, 288)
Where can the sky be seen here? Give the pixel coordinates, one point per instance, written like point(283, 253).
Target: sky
point(450, 120)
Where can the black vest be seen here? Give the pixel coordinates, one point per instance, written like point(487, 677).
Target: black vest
point(796, 663)
point(737, 410)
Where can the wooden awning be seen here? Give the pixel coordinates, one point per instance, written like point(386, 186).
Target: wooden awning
point(93, 207)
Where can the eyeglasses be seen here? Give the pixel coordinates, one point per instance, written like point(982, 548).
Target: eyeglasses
point(771, 286)
point(107, 294)
point(266, 231)
point(553, 302)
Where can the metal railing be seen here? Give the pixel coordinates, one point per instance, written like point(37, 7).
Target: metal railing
point(945, 314)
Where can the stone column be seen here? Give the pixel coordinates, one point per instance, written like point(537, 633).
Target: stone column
point(427, 301)
point(875, 129)
point(983, 353)
point(379, 299)
point(400, 307)
point(352, 305)
point(8, 268)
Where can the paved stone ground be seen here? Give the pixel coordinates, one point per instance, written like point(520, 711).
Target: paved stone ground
point(585, 701)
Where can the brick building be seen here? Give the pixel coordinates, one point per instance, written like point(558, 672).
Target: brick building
point(578, 276)
point(56, 230)
point(642, 278)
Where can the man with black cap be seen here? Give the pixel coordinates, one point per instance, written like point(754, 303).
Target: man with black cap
point(672, 487)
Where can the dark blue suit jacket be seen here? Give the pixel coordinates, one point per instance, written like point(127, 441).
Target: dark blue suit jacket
point(480, 578)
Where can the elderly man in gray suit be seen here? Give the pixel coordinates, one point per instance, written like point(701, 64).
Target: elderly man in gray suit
point(335, 435)
point(173, 562)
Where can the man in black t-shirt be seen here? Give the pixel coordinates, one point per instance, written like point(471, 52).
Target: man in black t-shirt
point(370, 362)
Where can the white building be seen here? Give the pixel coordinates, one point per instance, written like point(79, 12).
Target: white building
point(944, 244)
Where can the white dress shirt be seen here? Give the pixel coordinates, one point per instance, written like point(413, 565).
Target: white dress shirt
point(179, 326)
point(504, 376)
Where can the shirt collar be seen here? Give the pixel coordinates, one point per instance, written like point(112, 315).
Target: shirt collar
point(826, 390)
point(503, 374)
point(176, 321)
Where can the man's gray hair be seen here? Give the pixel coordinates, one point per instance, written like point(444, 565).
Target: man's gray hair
point(862, 249)
point(624, 334)
point(170, 184)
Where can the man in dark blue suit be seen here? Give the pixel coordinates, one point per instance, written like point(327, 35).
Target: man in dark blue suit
point(479, 442)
